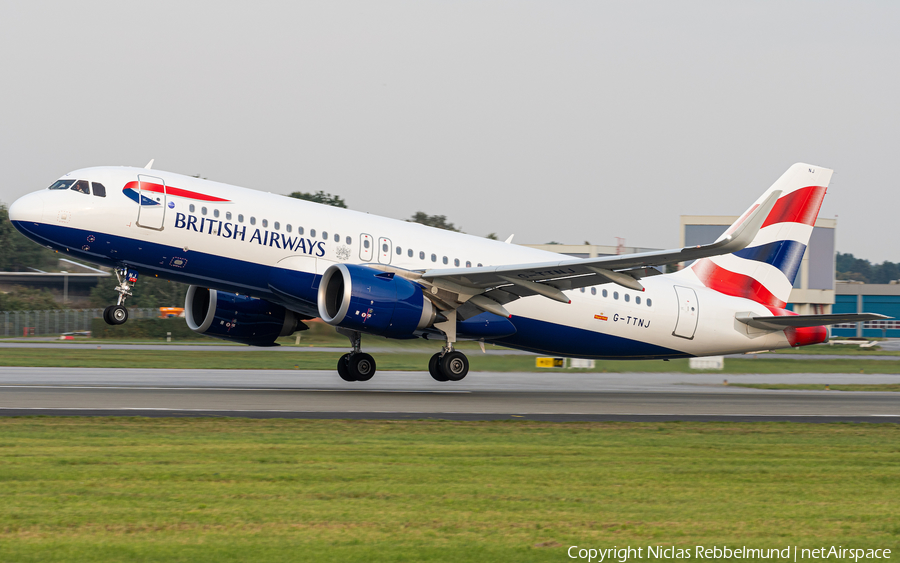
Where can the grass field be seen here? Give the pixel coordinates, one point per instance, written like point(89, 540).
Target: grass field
point(221, 490)
point(400, 360)
point(821, 386)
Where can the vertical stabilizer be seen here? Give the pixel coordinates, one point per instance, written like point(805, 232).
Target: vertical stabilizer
point(765, 270)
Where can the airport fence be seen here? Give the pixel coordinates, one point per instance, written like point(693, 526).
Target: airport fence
point(56, 322)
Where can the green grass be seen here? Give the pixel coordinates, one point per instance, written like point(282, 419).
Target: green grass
point(398, 360)
point(895, 387)
point(221, 490)
point(838, 349)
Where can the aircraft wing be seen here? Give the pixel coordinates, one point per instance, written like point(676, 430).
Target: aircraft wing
point(781, 323)
point(551, 278)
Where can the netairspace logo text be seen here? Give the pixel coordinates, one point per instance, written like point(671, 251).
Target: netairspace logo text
point(717, 553)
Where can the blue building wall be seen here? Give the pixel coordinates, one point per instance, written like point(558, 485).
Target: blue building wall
point(883, 304)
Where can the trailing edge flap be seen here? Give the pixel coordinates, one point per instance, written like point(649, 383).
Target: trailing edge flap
point(579, 272)
point(795, 321)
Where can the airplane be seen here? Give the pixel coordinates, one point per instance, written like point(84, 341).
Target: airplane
point(260, 264)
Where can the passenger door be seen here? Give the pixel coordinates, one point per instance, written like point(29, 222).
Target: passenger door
point(152, 198)
point(688, 312)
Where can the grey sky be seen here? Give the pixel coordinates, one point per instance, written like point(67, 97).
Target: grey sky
point(565, 121)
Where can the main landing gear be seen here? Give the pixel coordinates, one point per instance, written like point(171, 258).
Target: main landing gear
point(117, 314)
point(446, 365)
point(357, 365)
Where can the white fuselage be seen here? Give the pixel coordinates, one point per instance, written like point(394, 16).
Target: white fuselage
point(232, 239)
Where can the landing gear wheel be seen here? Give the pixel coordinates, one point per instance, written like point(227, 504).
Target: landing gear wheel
point(434, 368)
point(361, 366)
point(343, 367)
point(106, 318)
point(117, 315)
point(455, 365)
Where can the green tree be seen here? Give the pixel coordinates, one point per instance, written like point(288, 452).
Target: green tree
point(436, 221)
point(849, 267)
point(18, 253)
point(492, 236)
point(28, 299)
point(321, 197)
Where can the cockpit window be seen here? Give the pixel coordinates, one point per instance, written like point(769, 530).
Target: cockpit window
point(61, 185)
point(99, 189)
point(82, 186)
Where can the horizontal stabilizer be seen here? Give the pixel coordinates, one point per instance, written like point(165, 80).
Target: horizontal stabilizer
point(780, 323)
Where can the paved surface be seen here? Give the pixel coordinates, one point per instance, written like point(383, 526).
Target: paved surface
point(483, 396)
point(383, 349)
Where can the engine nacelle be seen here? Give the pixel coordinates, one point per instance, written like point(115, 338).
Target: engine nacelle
point(238, 318)
point(368, 300)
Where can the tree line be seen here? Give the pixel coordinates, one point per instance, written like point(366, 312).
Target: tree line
point(850, 268)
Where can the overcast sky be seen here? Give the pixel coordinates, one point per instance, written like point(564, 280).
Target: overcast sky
point(562, 121)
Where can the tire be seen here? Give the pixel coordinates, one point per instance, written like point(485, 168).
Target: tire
point(118, 314)
point(343, 368)
point(361, 366)
point(106, 317)
point(455, 365)
point(434, 368)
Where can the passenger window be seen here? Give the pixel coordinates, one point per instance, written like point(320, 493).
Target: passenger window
point(593, 291)
point(456, 262)
point(61, 185)
point(252, 220)
point(348, 240)
point(421, 255)
point(605, 293)
point(365, 242)
point(277, 225)
point(312, 232)
point(299, 230)
point(202, 211)
point(82, 187)
point(337, 238)
point(479, 264)
point(649, 302)
point(399, 251)
point(434, 257)
point(384, 248)
point(215, 212)
point(637, 300)
point(240, 217)
point(615, 294)
point(409, 252)
point(627, 297)
point(582, 290)
point(228, 215)
point(445, 259)
point(324, 235)
point(468, 264)
point(99, 189)
point(265, 223)
point(287, 227)
point(191, 208)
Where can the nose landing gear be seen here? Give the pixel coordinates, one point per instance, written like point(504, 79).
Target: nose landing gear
point(117, 314)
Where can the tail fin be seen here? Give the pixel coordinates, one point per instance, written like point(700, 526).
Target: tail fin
point(765, 270)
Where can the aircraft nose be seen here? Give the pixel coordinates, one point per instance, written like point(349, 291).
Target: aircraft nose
point(27, 208)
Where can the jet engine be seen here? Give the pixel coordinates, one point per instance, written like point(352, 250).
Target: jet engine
point(367, 300)
point(238, 318)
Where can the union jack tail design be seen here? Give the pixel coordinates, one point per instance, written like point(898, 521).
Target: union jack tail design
point(765, 270)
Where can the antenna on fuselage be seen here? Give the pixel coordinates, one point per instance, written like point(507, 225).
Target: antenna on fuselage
point(150, 164)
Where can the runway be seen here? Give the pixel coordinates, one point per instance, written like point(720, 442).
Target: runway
point(405, 395)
